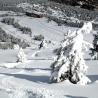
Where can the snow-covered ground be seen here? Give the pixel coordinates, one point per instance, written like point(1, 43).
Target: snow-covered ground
point(31, 78)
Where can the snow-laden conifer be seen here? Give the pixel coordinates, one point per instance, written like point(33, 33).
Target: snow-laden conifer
point(21, 56)
point(70, 63)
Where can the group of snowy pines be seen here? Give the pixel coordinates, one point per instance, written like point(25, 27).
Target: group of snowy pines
point(69, 63)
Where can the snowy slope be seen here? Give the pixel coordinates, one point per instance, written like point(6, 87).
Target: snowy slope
point(31, 79)
point(14, 32)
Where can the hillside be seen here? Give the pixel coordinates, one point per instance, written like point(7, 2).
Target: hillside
point(31, 79)
point(47, 39)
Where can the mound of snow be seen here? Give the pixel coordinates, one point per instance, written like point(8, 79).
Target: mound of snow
point(9, 65)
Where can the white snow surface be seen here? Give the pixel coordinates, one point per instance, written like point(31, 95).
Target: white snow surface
point(31, 78)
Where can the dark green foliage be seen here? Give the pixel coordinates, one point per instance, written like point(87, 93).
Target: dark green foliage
point(17, 25)
point(95, 26)
point(26, 30)
point(10, 40)
point(69, 2)
point(95, 42)
point(11, 21)
point(86, 4)
point(94, 50)
point(38, 37)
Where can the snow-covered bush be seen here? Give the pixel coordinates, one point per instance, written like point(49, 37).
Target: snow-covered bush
point(21, 56)
point(38, 37)
point(17, 25)
point(26, 30)
point(70, 64)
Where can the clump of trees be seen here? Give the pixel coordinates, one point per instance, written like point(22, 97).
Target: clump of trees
point(86, 4)
point(25, 30)
point(94, 50)
point(38, 37)
point(11, 40)
point(11, 21)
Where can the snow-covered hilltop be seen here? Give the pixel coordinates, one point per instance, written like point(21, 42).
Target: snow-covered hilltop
point(60, 13)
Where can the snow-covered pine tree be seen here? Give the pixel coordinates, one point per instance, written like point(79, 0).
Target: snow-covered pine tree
point(94, 50)
point(21, 56)
point(70, 63)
